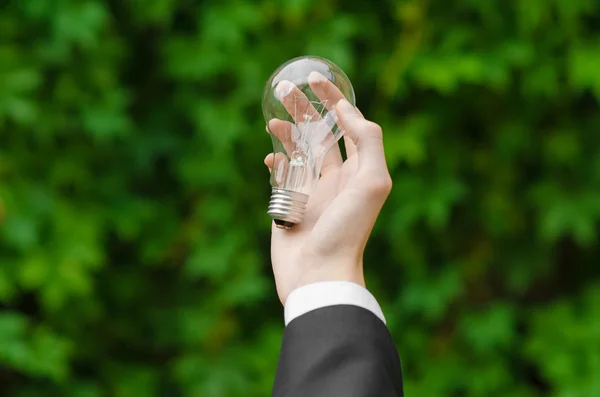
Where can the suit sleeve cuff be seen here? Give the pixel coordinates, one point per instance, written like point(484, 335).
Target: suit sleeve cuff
point(329, 293)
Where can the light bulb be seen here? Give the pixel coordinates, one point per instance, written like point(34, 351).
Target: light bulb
point(299, 108)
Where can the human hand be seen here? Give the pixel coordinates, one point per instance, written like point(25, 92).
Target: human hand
point(343, 207)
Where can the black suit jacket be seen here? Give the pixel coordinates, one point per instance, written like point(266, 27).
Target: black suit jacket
point(341, 350)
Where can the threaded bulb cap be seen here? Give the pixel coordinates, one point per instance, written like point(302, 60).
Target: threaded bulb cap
point(287, 208)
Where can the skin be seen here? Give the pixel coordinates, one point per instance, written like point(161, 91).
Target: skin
point(341, 212)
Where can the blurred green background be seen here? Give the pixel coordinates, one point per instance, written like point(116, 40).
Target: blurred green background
point(134, 242)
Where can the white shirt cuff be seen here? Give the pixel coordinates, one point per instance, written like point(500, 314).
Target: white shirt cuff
point(329, 293)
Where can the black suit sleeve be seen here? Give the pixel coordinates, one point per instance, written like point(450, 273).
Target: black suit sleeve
point(339, 350)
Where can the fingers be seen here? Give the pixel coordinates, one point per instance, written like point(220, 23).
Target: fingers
point(269, 160)
point(325, 90)
point(330, 95)
point(304, 112)
point(277, 163)
point(349, 143)
point(296, 102)
point(350, 147)
point(361, 199)
point(282, 130)
point(372, 173)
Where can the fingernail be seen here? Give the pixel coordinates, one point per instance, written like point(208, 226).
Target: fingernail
point(316, 77)
point(283, 89)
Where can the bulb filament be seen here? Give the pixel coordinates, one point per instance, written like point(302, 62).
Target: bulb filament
point(296, 174)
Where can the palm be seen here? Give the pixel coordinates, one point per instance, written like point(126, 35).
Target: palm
point(291, 250)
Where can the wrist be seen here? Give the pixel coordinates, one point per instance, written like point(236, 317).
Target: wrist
point(352, 274)
point(319, 276)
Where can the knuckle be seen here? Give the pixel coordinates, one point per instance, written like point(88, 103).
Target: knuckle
point(386, 185)
point(374, 129)
point(380, 187)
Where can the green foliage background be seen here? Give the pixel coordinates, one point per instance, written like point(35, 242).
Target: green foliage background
point(134, 241)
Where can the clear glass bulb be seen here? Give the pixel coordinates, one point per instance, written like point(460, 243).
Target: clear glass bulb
point(299, 108)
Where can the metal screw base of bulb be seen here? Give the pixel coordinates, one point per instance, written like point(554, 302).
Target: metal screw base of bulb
point(287, 207)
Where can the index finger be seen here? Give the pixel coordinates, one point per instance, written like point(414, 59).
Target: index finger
point(330, 96)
